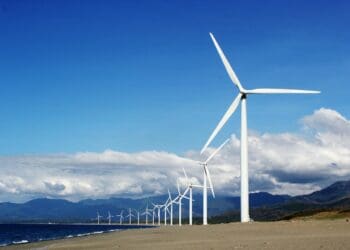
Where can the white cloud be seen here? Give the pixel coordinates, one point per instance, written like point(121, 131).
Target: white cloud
point(290, 163)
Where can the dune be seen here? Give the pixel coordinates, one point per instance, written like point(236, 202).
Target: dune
point(296, 234)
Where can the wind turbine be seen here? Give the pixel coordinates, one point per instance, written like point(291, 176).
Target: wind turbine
point(146, 213)
point(158, 212)
point(171, 202)
point(166, 205)
point(153, 213)
point(109, 217)
point(121, 217)
point(129, 216)
point(206, 175)
point(180, 197)
point(98, 217)
point(138, 216)
point(242, 98)
point(189, 188)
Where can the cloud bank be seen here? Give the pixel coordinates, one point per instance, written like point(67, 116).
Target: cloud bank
point(285, 163)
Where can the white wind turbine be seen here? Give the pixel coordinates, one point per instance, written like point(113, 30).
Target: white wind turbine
point(180, 197)
point(130, 215)
point(169, 202)
point(121, 217)
point(98, 217)
point(138, 216)
point(164, 206)
point(206, 175)
point(158, 207)
point(146, 213)
point(109, 217)
point(242, 98)
point(153, 214)
point(189, 188)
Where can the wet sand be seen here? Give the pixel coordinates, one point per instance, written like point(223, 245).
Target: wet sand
point(310, 234)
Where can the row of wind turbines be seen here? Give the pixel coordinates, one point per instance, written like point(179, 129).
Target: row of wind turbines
point(166, 210)
point(167, 207)
point(129, 216)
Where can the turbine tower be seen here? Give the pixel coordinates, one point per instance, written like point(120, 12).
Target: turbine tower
point(206, 175)
point(242, 98)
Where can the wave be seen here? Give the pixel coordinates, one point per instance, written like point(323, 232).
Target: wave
point(20, 242)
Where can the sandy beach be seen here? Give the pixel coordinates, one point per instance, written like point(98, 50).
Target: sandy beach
point(299, 234)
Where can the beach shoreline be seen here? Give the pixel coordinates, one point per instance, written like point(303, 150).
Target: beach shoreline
point(295, 234)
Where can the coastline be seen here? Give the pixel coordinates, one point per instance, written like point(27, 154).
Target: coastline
point(43, 232)
point(296, 234)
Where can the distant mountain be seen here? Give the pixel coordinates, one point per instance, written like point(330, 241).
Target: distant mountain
point(58, 210)
point(336, 197)
point(335, 192)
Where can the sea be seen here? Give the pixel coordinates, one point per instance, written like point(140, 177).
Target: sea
point(25, 233)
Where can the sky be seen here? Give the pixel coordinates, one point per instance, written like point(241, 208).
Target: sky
point(104, 91)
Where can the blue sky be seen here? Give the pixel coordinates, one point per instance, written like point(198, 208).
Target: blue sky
point(144, 75)
point(113, 98)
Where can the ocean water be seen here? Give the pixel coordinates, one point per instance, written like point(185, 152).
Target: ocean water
point(25, 233)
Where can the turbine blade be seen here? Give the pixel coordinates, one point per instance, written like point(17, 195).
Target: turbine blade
point(216, 151)
point(282, 91)
point(185, 174)
point(227, 65)
point(169, 194)
point(178, 187)
point(209, 179)
point(223, 120)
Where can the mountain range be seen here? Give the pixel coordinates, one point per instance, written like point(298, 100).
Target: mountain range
point(334, 198)
point(264, 206)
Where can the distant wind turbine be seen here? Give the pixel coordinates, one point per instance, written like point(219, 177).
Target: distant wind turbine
point(171, 202)
point(242, 98)
point(158, 207)
point(121, 217)
point(189, 188)
point(109, 217)
point(180, 197)
point(98, 217)
point(153, 214)
point(146, 213)
point(138, 217)
point(130, 215)
point(206, 175)
point(165, 207)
